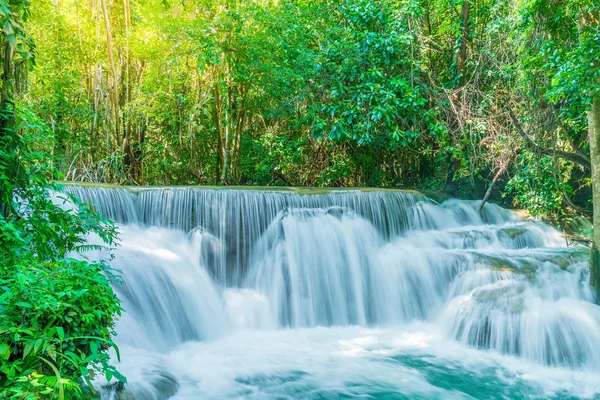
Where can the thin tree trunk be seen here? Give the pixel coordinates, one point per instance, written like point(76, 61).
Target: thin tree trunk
point(228, 126)
point(217, 118)
point(464, 40)
point(488, 193)
point(97, 101)
point(128, 146)
point(8, 83)
point(7, 120)
point(239, 128)
point(115, 91)
point(461, 60)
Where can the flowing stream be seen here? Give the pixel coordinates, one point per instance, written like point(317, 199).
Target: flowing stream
point(249, 294)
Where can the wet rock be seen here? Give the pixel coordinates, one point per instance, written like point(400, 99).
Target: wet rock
point(162, 387)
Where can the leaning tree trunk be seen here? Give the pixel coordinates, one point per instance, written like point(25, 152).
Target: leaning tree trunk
point(594, 132)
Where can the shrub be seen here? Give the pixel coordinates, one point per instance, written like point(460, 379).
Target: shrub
point(56, 313)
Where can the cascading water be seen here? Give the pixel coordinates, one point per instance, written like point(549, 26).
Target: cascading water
point(381, 294)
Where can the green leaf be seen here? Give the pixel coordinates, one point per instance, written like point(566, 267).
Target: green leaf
point(4, 351)
point(119, 376)
point(61, 332)
point(12, 39)
point(27, 349)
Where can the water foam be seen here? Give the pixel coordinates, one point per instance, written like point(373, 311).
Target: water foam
point(249, 294)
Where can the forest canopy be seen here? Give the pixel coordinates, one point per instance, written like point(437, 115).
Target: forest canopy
point(441, 95)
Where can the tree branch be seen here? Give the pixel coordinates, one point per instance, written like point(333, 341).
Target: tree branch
point(492, 185)
point(584, 161)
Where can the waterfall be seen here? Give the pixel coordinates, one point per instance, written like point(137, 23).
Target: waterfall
point(382, 276)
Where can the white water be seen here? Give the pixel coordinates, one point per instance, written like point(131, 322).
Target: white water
point(248, 294)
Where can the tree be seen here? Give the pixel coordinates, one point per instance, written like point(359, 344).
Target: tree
point(572, 46)
point(594, 132)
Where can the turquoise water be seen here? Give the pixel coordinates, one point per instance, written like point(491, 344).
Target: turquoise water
point(358, 363)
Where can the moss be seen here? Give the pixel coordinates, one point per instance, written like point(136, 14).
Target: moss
point(435, 195)
point(298, 190)
point(513, 232)
point(527, 266)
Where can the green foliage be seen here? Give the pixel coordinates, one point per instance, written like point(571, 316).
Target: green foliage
point(13, 16)
point(56, 312)
point(538, 185)
point(55, 326)
point(366, 80)
point(570, 52)
point(560, 72)
point(346, 92)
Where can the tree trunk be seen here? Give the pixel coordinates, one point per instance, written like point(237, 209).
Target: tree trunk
point(128, 142)
point(451, 186)
point(217, 111)
point(488, 193)
point(461, 58)
point(594, 132)
point(7, 122)
point(115, 76)
point(228, 123)
point(8, 87)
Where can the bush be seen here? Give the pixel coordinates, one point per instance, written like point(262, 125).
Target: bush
point(57, 313)
point(56, 325)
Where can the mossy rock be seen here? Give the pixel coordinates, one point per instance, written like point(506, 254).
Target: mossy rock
point(284, 189)
point(166, 385)
point(513, 232)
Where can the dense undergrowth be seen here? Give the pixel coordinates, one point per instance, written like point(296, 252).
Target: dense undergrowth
point(442, 96)
point(57, 308)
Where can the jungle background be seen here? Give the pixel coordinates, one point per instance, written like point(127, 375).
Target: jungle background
point(446, 96)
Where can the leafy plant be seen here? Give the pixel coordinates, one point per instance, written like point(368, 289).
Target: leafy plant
point(57, 309)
